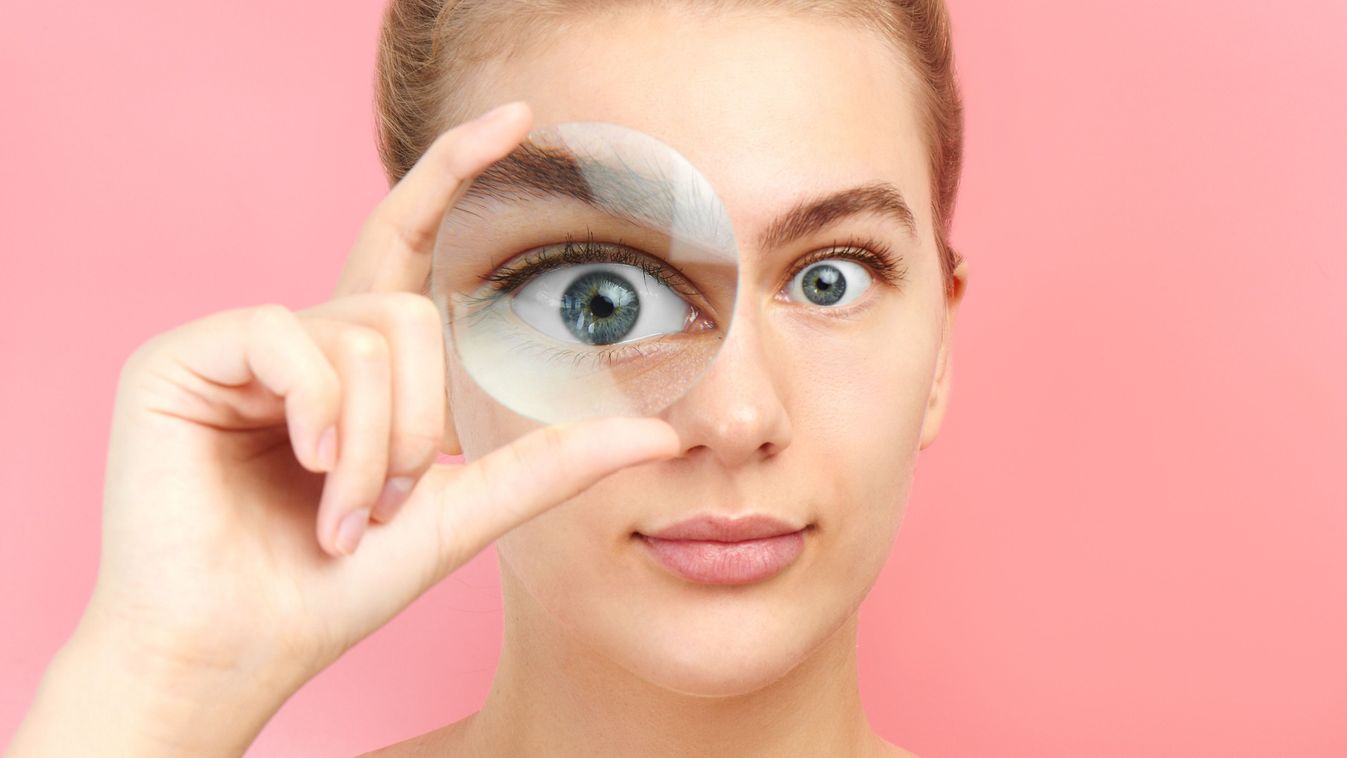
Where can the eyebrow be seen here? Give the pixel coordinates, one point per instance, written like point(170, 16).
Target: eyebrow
point(880, 198)
point(534, 171)
point(648, 197)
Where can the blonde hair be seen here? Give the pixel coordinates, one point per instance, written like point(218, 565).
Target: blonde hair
point(427, 49)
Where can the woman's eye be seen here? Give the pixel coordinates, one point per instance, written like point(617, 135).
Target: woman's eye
point(832, 282)
point(600, 304)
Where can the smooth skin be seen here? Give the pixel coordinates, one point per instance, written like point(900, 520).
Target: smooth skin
point(226, 581)
point(811, 413)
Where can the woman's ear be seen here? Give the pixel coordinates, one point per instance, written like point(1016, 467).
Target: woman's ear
point(940, 386)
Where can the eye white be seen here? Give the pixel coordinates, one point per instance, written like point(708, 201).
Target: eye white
point(853, 276)
point(538, 303)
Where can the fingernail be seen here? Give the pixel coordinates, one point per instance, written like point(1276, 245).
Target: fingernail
point(327, 448)
point(496, 114)
point(393, 495)
point(350, 531)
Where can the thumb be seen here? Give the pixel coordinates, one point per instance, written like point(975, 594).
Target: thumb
point(485, 499)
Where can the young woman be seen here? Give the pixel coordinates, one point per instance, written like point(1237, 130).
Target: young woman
point(831, 132)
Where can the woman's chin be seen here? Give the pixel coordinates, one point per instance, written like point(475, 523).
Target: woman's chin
point(715, 659)
point(699, 679)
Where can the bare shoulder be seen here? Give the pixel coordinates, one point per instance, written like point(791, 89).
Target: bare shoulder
point(421, 746)
point(890, 750)
point(440, 742)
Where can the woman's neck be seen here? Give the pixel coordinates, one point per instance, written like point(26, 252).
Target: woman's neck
point(553, 696)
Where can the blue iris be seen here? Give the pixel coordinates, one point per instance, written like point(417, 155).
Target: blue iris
point(824, 284)
point(600, 308)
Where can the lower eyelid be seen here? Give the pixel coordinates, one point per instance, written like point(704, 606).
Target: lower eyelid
point(845, 312)
point(783, 296)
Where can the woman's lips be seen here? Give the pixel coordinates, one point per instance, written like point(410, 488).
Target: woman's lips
point(713, 562)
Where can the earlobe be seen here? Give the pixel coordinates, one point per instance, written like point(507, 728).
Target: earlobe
point(936, 401)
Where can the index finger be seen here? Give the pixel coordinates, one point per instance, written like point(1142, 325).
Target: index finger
point(538, 471)
point(394, 248)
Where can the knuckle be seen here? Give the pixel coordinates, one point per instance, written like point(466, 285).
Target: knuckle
point(413, 313)
point(557, 451)
point(144, 352)
point(268, 317)
point(412, 238)
point(363, 345)
point(161, 347)
point(138, 363)
point(270, 311)
point(519, 455)
point(552, 440)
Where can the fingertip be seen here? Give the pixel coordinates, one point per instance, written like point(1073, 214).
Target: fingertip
point(501, 129)
point(669, 445)
point(325, 450)
point(651, 438)
point(505, 113)
point(350, 530)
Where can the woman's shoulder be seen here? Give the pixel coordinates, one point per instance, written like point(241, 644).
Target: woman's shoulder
point(890, 750)
point(436, 743)
point(416, 747)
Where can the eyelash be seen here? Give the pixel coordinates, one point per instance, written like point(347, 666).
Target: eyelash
point(878, 256)
point(503, 282)
point(888, 266)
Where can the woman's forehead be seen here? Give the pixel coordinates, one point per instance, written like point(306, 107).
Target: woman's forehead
point(768, 107)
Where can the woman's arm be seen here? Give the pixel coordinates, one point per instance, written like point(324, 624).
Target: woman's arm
point(108, 692)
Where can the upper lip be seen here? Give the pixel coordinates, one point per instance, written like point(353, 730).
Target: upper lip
point(711, 527)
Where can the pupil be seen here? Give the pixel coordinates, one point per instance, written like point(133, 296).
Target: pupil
point(601, 306)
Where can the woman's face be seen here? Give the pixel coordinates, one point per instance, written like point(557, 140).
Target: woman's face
point(810, 413)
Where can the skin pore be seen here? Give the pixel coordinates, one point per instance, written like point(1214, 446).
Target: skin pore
point(811, 413)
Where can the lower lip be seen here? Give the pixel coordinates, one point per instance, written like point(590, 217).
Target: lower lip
point(709, 562)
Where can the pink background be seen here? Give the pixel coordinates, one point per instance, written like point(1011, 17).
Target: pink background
point(1131, 537)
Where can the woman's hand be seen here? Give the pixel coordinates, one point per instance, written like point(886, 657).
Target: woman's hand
point(248, 450)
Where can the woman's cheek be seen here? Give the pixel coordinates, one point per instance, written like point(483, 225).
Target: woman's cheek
point(861, 423)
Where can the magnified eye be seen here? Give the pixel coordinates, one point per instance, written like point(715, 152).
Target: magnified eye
point(600, 304)
point(832, 282)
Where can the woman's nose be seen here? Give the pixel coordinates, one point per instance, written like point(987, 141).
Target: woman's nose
point(736, 410)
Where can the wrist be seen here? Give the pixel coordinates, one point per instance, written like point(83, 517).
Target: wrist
point(109, 691)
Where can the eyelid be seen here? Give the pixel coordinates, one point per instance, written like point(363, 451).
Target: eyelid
point(508, 278)
point(885, 265)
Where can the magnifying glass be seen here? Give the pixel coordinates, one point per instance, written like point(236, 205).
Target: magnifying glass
point(590, 272)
